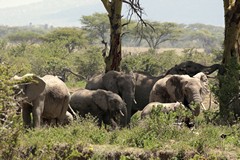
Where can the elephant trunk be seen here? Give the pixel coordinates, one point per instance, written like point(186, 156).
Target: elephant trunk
point(123, 116)
point(129, 100)
point(197, 105)
point(211, 69)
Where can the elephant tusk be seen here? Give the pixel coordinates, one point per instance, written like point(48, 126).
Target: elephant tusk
point(121, 113)
point(203, 107)
point(135, 102)
point(71, 110)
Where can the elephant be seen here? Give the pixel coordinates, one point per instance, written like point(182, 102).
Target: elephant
point(144, 81)
point(44, 98)
point(143, 86)
point(192, 68)
point(52, 122)
point(118, 82)
point(181, 88)
point(107, 106)
point(166, 108)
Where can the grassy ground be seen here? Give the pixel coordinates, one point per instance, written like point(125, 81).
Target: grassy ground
point(156, 138)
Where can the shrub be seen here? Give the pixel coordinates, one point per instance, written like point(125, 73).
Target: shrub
point(9, 126)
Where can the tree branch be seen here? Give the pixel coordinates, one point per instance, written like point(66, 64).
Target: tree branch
point(107, 6)
point(137, 9)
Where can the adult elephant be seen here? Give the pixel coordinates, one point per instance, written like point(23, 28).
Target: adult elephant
point(143, 86)
point(117, 82)
point(192, 68)
point(181, 88)
point(45, 98)
point(107, 106)
point(144, 82)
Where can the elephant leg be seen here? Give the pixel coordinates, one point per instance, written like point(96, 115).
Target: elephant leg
point(49, 122)
point(64, 107)
point(38, 107)
point(26, 114)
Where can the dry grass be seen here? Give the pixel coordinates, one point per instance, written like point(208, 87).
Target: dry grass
point(139, 50)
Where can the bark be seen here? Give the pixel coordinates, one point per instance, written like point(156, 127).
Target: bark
point(232, 31)
point(114, 58)
point(229, 81)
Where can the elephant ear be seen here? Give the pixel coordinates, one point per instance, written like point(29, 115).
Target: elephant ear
point(204, 81)
point(34, 86)
point(110, 81)
point(203, 77)
point(174, 87)
point(100, 99)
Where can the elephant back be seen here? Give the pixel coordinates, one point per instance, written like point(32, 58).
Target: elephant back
point(95, 82)
point(55, 87)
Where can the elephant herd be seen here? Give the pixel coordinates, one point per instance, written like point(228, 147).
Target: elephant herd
point(112, 97)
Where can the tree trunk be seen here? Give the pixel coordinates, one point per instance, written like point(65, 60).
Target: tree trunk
point(232, 31)
point(229, 81)
point(114, 58)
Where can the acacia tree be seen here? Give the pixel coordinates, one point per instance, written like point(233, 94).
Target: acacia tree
point(162, 32)
point(229, 81)
point(114, 10)
point(70, 37)
point(97, 26)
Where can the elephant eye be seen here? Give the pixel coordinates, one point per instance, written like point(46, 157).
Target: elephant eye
point(114, 101)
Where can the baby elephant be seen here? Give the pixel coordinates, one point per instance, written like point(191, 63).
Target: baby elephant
point(166, 108)
point(106, 106)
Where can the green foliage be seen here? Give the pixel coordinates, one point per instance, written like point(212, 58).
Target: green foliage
point(10, 128)
point(229, 92)
point(3, 44)
point(97, 26)
point(18, 50)
point(24, 37)
point(49, 58)
point(83, 139)
point(78, 84)
point(89, 63)
point(158, 33)
point(69, 37)
point(153, 64)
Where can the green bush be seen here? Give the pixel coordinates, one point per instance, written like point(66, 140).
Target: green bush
point(10, 128)
point(154, 64)
point(89, 63)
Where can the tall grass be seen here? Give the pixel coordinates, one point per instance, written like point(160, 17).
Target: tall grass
point(83, 138)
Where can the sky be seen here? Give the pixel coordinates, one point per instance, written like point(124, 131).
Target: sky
point(68, 12)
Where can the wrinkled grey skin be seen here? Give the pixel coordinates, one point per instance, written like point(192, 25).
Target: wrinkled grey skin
point(107, 106)
point(117, 82)
point(48, 96)
point(181, 88)
point(143, 86)
point(166, 108)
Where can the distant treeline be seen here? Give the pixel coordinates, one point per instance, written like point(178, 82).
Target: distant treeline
point(169, 35)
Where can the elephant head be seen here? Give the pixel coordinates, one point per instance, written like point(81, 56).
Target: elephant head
point(29, 89)
point(187, 89)
point(122, 84)
point(29, 86)
point(113, 107)
point(45, 97)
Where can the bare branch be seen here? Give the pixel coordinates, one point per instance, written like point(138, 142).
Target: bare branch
point(77, 75)
point(104, 51)
point(135, 8)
